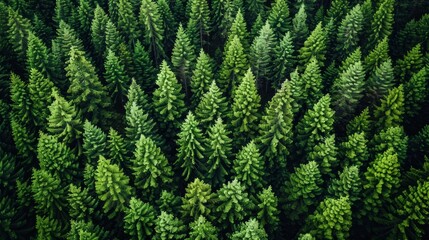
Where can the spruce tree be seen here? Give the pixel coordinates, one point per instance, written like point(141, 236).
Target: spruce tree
point(183, 57)
point(37, 56)
point(218, 151)
point(198, 200)
point(391, 110)
point(199, 22)
point(202, 77)
point(349, 31)
point(311, 83)
point(40, 89)
point(376, 56)
point(257, 25)
point(86, 230)
point(86, 91)
point(111, 186)
point(94, 142)
point(113, 38)
point(24, 139)
point(382, 22)
point(170, 24)
point(202, 229)
point(411, 64)
point(283, 61)
point(84, 15)
point(249, 168)
point(245, 109)
point(116, 78)
point(21, 105)
point(127, 21)
point(392, 137)
point(415, 93)
point(169, 202)
point(167, 226)
point(250, 230)
point(253, 8)
point(18, 33)
point(98, 30)
point(348, 183)
point(81, 203)
point(325, 154)
point(190, 148)
point(145, 73)
point(63, 11)
point(139, 220)
point(139, 97)
point(213, 105)
point(153, 29)
point(117, 148)
point(279, 18)
point(361, 123)
point(314, 46)
point(239, 29)
point(268, 212)
point(300, 27)
point(49, 228)
point(355, 150)
point(380, 82)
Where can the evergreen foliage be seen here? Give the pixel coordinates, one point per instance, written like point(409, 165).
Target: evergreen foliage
point(198, 200)
point(139, 219)
point(213, 105)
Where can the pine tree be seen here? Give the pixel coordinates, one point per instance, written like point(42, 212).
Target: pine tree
point(283, 61)
point(392, 137)
point(168, 100)
point(86, 230)
point(331, 220)
point(98, 30)
point(239, 29)
point(233, 67)
point(183, 57)
point(81, 203)
point(198, 200)
point(380, 82)
point(153, 29)
point(381, 180)
point(127, 21)
point(301, 189)
point(224, 13)
point(202, 77)
point(113, 38)
point(84, 15)
point(218, 151)
point(145, 73)
point(253, 8)
point(111, 186)
point(232, 203)
point(37, 56)
point(212, 106)
point(325, 155)
point(86, 90)
point(376, 56)
point(361, 123)
point(337, 10)
point(94, 142)
point(257, 25)
point(250, 230)
point(245, 107)
point(279, 18)
point(311, 83)
point(199, 22)
point(116, 78)
point(21, 105)
point(347, 91)
point(390, 112)
point(169, 202)
point(314, 46)
point(39, 89)
point(117, 148)
point(56, 158)
point(64, 11)
point(139, 97)
point(355, 150)
point(23, 138)
point(18, 33)
point(261, 57)
point(169, 227)
point(268, 212)
point(415, 92)
point(150, 167)
point(191, 148)
point(49, 228)
point(349, 31)
point(49, 194)
point(202, 229)
point(351, 59)
point(382, 22)
point(316, 125)
point(139, 219)
point(411, 64)
point(249, 168)
point(348, 184)
point(300, 27)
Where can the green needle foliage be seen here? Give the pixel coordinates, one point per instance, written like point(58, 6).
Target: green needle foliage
point(250, 230)
point(347, 184)
point(283, 61)
point(279, 18)
point(415, 93)
point(40, 89)
point(393, 137)
point(380, 81)
point(202, 77)
point(81, 203)
point(153, 29)
point(169, 227)
point(300, 27)
point(198, 200)
point(116, 78)
point(267, 207)
point(94, 142)
point(139, 219)
point(239, 29)
point(391, 109)
point(116, 147)
point(127, 21)
point(349, 31)
point(213, 105)
point(361, 123)
point(249, 167)
point(201, 229)
point(314, 46)
point(325, 154)
point(411, 64)
point(38, 56)
point(139, 97)
point(199, 22)
point(355, 150)
point(382, 22)
point(18, 33)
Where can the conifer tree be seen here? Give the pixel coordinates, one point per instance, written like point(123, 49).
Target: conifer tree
point(117, 148)
point(139, 220)
point(253, 8)
point(127, 21)
point(169, 202)
point(167, 226)
point(311, 83)
point(314, 46)
point(212, 106)
point(137, 95)
point(349, 31)
point(150, 167)
point(249, 167)
point(361, 123)
point(268, 212)
point(116, 78)
point(376, 56)
point(21, 101)
point(316, 124)
point(18, 33)
point(113, 38)
point(153, 29)
point(301, 189)
point(245, 109)
point(348, 184)
point(411, 64)
point(48, 228)
point(415, 92)
point(199, 22)
point(86, 90)
point(191, 148)
point(111, 186)
point(168, 100)
point(380, 82)
point(94, 142)
point(170, 24)
point(323, 224)
point(24, 139)
point(279, 18)
point(145, 73)
point(392, 137)
point(218, 151)
point(64, 11)
point(325, 154)
point(261, 56)
point(355, 150)
point(39, 89)
point(98, 30)
point(202, 77)
point(382, 22)
point(113, 7)
point(337, 10)
point(37, 56)
point(233, 67)
point(300, 27)
point(198, 200)
point(202, 229)
point(283, 61)
point(347, 91)
point(239, 29)
point(232, 203)
point(250, 230)
point(224, 13)
point(257, 25)
point(81, 203)
point(49, 194)
point(351, 59)
point(86, 230)
point(83, 18)
point(183, 57)
point(390, 112)
point(381, 180)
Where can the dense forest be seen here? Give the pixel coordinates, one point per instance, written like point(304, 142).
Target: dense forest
point(214, 119)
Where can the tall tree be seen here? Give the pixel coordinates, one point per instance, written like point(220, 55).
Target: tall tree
point(139, 220)
point(153, 29)
point(348, 183)
point(410, 64)
point(202, 229)
point(250, 230)
point(198, 200)
point(239, 29)
point(283, 61)
point(94, 142)
point(349, 31)
point(415, 92)
point(38, 56)
point(98, 30)
point(354, 151)
point(116, 78)
point(18, 32)
point(39, 89)
point(382, 22)
point(279, 18)
point(249, 168)
point(314, 46)
point(199, 22)
point(212, 106)
point(300, 27)
point(325, 154)
point(127, 21)
point(137, 95)
point(202, 77)
point(380, 82)
point(392, 137)
point(391, 110)
point(81, 203)
point(268, 212)
point(167, 226)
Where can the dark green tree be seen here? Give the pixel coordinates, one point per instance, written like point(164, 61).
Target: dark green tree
point(116, 78)
point(415, 93)
point(355, 150)
point(40, 89)
point(113, 38)
point(382, 22)
point(392, 137)
point(98, 30)
point(268, 212)
point(411, 64)
point(348, 184)
point(139, 97)
point(127, 21)
point(249, 168)
point(81, 203)
point(145, 73)
point(361, 123)
point(18, 33)
point(314, 46)
point(38, 56)
point(283, 61)
point(279, 18)
point(117, 148)
point(391, 110)
point(199, 22)
point(169, 227)
point(202, 77)
point(239, 29)
point(153, 29)
point(139, 220)
point(94, 142)
point(380, 82)
point(212, 106)
point(300, 27)
point(22, 108)
point(311, 83)
point(376, 56)
point(325, 155)
point(48, 228)
point(349, 31)
point(202, 229)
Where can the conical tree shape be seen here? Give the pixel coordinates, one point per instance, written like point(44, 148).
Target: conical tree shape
point(268, 212)
point(199, 22)
point(94, 142)
point(245, 109)
point(117, 148)
point(300, 27)
point(191, 148)
point(361, 123)
point(24, 139)
point(127, 21)
point(376, 56)
point(83, 18)
point(18, 33)
point(311, 83)
point(22, 108)
point(250, 230)
point(279, 18)
point(63, 11)
point(253, 8)
point(224, 14)
point(393, 137)
point(355, 150)
point(349, 31)
point(380, 82)
point(86, 230)
point(111, 186)
point(37, 56)
point(170, 24)
point(198, 200)
point(213, 105)
point(382, 22)
point(145, 73)
point(314, 46)
point(153, 31)
point(202, 77)
point(325, 154)
point(347, 184)
point(48, 228)
point(139, 219)
point(137, 95)
point(40, 89)
point(116, 78)
point(239, 29)
point(81, 203)
point(98, 30)
point(411, 64)
point(167, 226)
point(257, 25)
point(390, 112)
point(183, 57)
point(415, 92)
point(202, 229)
point(86, 90)
point(283, 60)
point(337, 10)
point(249, 168)
point(113, 38)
